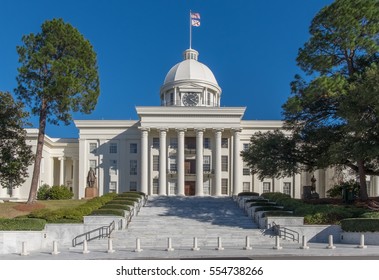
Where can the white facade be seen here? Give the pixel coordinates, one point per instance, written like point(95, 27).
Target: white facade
point(187, 146)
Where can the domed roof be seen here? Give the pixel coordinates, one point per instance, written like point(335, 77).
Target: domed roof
point(190, 69)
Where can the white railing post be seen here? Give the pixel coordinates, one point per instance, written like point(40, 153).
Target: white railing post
point(304, 243)
point(219, 242)
point(277, 243)
point(85, 247)
point(195, 248)
point(138, 246)
point(110, 246)
point(330, 246)
point(55, 248)
point(362, 243)
point(24, 251)
point(169, 245)
point(247, 247)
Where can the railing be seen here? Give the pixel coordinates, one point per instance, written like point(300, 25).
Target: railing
point(285, 233)
point(101, 232)
point(105, 231)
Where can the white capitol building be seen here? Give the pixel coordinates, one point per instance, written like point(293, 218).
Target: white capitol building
point(189, 145)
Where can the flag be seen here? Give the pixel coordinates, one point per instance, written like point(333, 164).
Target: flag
point(195, 19)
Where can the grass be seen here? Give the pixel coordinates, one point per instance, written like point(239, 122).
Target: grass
point(11, 210)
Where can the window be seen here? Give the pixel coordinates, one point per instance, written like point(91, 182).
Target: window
point(173, 189)
point(171, 98)
point(113, 187)
point(155, 186)
point(92, 147)
point(133, 167)
point(207, 163)
point(133, 186)
point(245, 147)
point(92, 164)
point(287, 188)
point(206, 187)
point(246, 169)
point(113, 148)
point(208, 98)
point(113, 167)
point(133, 148)
point(246, 186)
point(156, 142)
point(224, 186)
point(224, 163)
point(173, 164)
point(266, 187)
point(207, 143)
point(155, 163)
point(224, 142)
point(174, 142)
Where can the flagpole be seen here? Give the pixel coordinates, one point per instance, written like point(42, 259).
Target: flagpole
point(190, 26)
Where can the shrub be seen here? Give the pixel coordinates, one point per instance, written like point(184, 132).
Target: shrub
point(60, 192)
point(134, 199)
point(248, 194)
point(256, 200)
point(263, 203)
point(116, 206)
point(337, 190)
point(371, 215)
point(107, 212)
point(43, 191)
point(277, 214)
point(117, 201)
point(360, 225)
point(22, 224)
point(55, 192)
point(133, 194)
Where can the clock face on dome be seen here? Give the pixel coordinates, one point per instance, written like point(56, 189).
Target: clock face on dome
point(190, 99)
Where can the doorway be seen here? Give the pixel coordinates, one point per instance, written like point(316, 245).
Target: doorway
point(189, 188)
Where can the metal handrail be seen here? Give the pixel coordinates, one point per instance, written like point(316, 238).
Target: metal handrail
point(284, 232)
point(101, 232)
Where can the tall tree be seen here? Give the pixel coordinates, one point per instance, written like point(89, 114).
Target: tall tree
point(15, 154)
point(332, 115)
point(58, 75)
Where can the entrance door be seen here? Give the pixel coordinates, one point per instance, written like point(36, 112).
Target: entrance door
point(189, 188)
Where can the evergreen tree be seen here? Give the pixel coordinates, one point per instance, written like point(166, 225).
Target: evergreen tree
point(58, 75)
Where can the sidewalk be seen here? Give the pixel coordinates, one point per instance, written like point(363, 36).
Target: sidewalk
point(289, 251)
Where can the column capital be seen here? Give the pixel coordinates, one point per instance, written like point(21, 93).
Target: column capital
point(236, 130)
point(199, 130)
point(163, 129)
point(216, 130)
point(142, 128)
point(61, 158)
point(181, 129)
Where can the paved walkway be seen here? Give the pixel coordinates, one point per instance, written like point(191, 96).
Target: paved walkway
point(207, 218)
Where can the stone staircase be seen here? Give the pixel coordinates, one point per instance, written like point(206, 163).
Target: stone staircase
point(183, 218)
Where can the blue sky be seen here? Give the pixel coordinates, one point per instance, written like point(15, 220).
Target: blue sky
point(250, 46)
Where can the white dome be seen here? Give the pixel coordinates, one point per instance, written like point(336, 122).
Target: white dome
point(190, 69)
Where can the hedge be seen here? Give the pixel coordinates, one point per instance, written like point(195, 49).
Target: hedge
point(267, 208)
point(116, 206)
point(118, 201)
point(360, 225)
point(134, 199)
point(106, 212)
point(22, 224)
point(256, 200)
point(248, 194)
point(277, 214)
point(262, 203)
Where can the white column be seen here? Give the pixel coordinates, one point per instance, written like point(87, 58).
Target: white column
point(217, 181)
point(236, 163)
point(75, 187)
point(199, 162)
point(180, 162)
point(375, 185)
point(144, 160)
point(61, 171)
point(83, 162)
point(162, 162)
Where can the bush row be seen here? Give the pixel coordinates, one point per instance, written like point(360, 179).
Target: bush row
point(120, 203)
point(248, 194)
point(22, 224)
point(360, 225)
point(74, 215)
point(315, 214)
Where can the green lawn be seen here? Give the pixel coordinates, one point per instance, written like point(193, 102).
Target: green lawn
point(15, 209)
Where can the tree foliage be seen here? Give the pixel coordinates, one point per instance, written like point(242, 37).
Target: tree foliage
point(58, 75)
point(332, 115)
point(15, 154)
